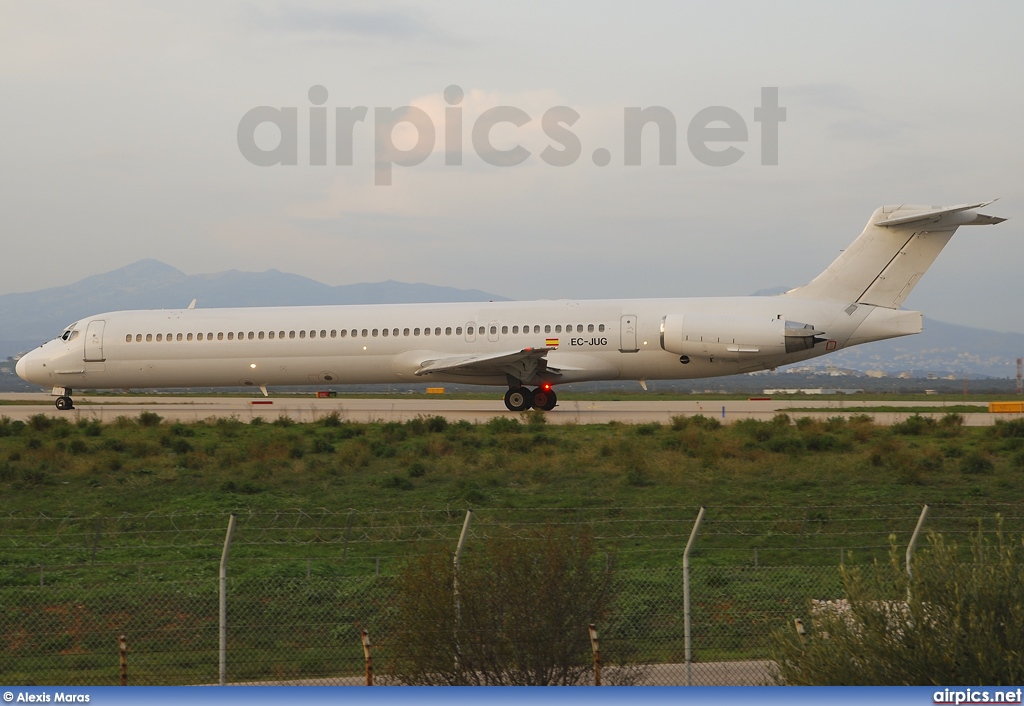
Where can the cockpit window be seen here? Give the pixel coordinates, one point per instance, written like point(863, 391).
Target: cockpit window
point(69, 332)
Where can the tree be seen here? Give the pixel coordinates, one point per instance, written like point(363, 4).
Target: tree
point(953, 622)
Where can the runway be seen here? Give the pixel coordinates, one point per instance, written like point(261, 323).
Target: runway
point(394, 408)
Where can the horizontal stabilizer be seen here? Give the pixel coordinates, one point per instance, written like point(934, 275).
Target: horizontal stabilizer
point(934, 215)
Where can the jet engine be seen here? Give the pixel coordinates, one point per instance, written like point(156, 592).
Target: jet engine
point(733, 337)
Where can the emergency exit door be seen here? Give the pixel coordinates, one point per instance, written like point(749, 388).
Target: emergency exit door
point(627, 334)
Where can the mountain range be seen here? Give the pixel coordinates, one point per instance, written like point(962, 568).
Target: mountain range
point(30, 318)
point(27, 319)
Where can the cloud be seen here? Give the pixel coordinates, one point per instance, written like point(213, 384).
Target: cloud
point(383, 24)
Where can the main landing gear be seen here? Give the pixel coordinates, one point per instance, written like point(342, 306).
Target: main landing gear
point(64, 402)
point(519, 399)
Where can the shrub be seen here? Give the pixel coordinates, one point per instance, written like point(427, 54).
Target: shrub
point(417, 469)
point(397, 482)
point(956, 621)
point(1006, 429)
point(974, 463)
point(149, 419)
point(519, 614)
point(914, 425)
point(503, 425)
point(702, 422)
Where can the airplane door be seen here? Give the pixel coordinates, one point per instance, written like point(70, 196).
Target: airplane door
point(492, 331)
point(94, 342)
point(470, 331)
point(627, 334)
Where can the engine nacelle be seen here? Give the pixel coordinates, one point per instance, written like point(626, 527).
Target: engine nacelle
point(734, 337)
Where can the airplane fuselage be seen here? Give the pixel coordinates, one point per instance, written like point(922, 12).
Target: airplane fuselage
point(323, 345)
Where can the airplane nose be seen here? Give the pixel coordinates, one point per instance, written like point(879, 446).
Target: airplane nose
point(29, 369)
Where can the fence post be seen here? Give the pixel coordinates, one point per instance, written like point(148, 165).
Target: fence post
point(455, 579)
point(455, 561)
point(686, 593)
point(597, 655)
point(913, 541)
point(224, 601)
point(369, 658)
point(122, 646)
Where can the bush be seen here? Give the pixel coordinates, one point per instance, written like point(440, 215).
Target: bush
point(975, 463)
point(914, 425)
point(518, 614)
point(149, 419)
point(956, 621)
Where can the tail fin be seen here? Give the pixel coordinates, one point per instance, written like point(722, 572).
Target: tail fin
point(885, 262)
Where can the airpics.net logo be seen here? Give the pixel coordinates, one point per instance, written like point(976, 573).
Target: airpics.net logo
point(716, 136)
point(969, 697)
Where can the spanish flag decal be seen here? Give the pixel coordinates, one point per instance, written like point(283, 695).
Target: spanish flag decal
point(551, 343)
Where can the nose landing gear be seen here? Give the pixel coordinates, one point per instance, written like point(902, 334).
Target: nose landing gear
point(519, 399)
point(63, 401)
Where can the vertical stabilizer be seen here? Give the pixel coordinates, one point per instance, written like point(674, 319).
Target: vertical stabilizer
point(889, 257)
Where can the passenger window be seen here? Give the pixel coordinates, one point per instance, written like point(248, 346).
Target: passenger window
point(291, 334)
point(354, 333)
point(188, 337)
point(385, 333)
point(558, 328)
point(448, 331)
point(128, 338)
point(323, 334)
point(437, 331)
point(547, 328)
point(250, 335)
point(374, 333)
point(363, 333)
point(415, 332)
point(469, 330)
point(231, 335)
point(270, 335)
point(159, 337)
point(515, 329)
point(536, 328)
point(302, 334)
point(494, 329)
point(261, 335)
point(394, 332)
point(590, 328)
point(344, 333)
point(601, 328)
point(426, 332)
point(241, 335)
point(579, 328)
point(334, 333)
point(220, 335)
point(458, 331)
point(405, 332)
point(149, 337)
point(199, 337)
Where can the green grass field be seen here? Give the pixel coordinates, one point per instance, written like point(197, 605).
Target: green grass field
point(119, 527)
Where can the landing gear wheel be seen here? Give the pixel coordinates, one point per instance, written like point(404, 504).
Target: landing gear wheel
point(518, 399)
point(64, 402)
point(544, 399)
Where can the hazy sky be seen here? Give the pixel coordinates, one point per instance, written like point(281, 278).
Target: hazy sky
point(120, 142)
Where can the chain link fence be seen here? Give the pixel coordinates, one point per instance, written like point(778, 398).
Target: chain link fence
point(301, 587)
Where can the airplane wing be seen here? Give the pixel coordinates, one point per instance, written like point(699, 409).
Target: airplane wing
point(520, 364)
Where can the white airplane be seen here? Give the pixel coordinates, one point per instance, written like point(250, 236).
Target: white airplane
point(527, 346)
